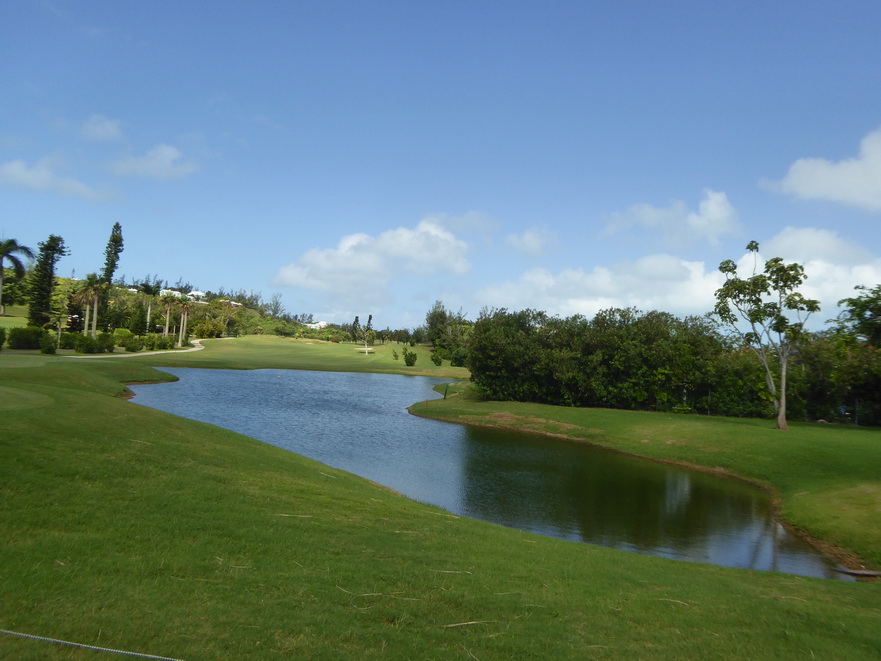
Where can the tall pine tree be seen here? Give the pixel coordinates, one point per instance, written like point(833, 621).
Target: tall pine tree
point(111, 253)
point(42, 280)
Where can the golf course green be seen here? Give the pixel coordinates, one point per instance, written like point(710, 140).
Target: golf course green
point(126, 528)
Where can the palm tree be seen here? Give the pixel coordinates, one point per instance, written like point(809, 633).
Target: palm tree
point(184, 303)
point(168, 300)
point(151, 290)
point(87, 298)
point(9, 248)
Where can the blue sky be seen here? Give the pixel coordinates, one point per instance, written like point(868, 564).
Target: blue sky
point(373, 157)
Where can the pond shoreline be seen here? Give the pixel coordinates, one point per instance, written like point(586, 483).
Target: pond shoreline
point(849, 562)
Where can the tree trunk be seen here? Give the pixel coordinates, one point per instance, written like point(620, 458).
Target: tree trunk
point(88, 309)
point(95, 316)
point(781, 407)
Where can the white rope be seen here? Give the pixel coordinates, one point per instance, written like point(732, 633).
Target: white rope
point(88, 647)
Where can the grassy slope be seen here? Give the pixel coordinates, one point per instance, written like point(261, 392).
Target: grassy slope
point(256, 352)
point(16, 316)
point(129, 528)
point(828, 477)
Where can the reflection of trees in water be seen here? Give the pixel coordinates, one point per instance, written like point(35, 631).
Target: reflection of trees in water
point(581, 493)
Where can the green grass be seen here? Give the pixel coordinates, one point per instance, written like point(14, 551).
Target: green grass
point(827, 477)
point(16, 317)
point(132, 529)
point(259, 351)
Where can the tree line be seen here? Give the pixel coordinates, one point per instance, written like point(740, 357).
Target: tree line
point(751, 357)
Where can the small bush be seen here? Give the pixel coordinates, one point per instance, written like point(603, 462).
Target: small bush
point(436, 358)
point(48, 343)
point(68, 340)
point(121, 336)
point(106, 343)
point(25, 338)
point(410, 358)
point(2, 337)
point(459, 357)
point(133, 344)
point(86, 344)
point(156, 342)
point(394, 354)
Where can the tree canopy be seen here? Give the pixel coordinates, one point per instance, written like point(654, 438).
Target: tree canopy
point(770, 306)
point(42, 280)
point(12, 250)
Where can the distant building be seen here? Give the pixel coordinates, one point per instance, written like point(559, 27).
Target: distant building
point(320, 325)
point(193, 295)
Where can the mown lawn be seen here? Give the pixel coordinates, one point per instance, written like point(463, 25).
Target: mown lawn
point(128, 528)
point(827, 477)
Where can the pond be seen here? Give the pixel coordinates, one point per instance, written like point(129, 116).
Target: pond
point(359, 423)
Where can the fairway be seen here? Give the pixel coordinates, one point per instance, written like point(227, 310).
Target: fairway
point(131, 529)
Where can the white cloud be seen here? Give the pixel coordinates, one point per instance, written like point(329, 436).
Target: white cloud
point(362, 267)
point(42, 176)
point(655, 282)
point(532, 242)
point(834, 266)
point(161, 162)
point(853, 181)
point(101, 129)
point(471, 222)
point(714, 218)
point(808, 244)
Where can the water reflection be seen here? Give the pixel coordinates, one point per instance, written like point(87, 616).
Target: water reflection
point(581, 493)
point(359, 423)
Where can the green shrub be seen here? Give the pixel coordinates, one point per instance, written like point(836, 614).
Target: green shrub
point(68, 340)
point(156, 342)
point(25, 338)
point(410, 357)
point(106, 343)
point(48, 343)
point(394, 354)
point(214, 328)
point(86, 344)
point(459, 357)
point(133, 344)
point(2, 336)
point(436, 358)
point(121, 336)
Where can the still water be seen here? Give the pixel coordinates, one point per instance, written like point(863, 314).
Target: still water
point(359, 423)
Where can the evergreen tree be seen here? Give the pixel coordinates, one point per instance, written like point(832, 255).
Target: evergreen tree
point(43, 280)
point(111, 253)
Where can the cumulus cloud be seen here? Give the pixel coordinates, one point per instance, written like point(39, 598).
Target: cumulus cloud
point(654, 282)
point(473, 224)
point(807, 244)
point(853, 181)
point(362, 267)
point(161, 162)
point(833, 265)
point(532, 242)
point(101, 129)
point(714, 218)
point(42, 176)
